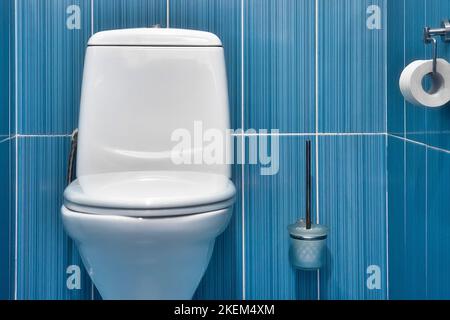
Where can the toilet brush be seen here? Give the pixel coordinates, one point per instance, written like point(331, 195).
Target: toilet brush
point(307, 240)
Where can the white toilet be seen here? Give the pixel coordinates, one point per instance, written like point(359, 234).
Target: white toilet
point(145, 225)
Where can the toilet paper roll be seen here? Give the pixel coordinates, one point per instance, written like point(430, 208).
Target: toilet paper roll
point(412, 88)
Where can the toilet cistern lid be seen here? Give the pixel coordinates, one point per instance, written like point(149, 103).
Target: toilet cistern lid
point(158, 37)
point(149, 190)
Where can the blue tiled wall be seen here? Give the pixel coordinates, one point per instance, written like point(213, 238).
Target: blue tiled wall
point(7, 230)
point(286, 70)
point(7, 146)
point(352, 63)
point(418, 162)
point(44, 251)
point(352, 188)
point(5, 25)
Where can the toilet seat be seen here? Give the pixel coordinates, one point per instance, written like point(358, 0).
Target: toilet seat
point(149, 193)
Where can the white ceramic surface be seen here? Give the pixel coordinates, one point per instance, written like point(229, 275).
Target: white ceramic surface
point(145, 226)
point(136, 258)
point(150, 193)
point(133, 100)
point(154, 37)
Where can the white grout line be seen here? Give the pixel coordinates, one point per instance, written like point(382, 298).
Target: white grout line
point(167, 13)
point(306, 134)
point(386, 147)
point(6, 138)
point(326, 134)
point(404, 63)
point(92, 17)
point(420, 143)
point(10, 223)
point(16, 202)
point(316, 92)
point(426, 221)
point(92, 33)
point(243, 156)
point(387, 214)
point(404, 189)
point(9, 74)
point(43, 135)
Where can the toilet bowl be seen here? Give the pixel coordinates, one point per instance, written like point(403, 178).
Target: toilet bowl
point(144, 224)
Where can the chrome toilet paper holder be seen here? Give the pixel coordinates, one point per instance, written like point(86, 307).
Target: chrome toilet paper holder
point(430, 34)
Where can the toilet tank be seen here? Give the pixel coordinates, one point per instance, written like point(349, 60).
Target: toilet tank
point(144, 92)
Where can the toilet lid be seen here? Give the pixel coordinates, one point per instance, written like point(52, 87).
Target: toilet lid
point(149, 193)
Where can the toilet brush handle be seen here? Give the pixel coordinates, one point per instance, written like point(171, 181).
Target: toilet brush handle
point(308, 184)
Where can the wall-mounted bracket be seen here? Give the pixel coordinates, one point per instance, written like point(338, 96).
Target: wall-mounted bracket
point(443, 32)
point(430, 34)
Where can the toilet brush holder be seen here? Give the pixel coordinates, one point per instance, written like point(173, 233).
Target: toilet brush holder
point(307, 246)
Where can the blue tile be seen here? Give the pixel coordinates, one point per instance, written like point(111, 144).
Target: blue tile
point(352, 65)
point(438, 228)
point(415, 49)
point(120, 14)
point(50, 65)
point(6, 221)
point(272, 202)
point(224, 19)
point(223, 278)
point(396, 211)
point(12, 73)
point(438, 119)
point(415, 223)
point(279, 65)
point(44, 250)
point(395, 65)
point(352, 186)
point(5, 26)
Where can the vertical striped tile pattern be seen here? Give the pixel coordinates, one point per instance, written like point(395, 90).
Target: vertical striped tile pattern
point(279, 79)
point(5, 24)
point(352, 185)
point(6, 221)
point(119, 14)
point(279, 65)
point(438, 120)
point(44, 250)
point(12, 73)
point(222, 18)
point(397, 200)
point(415, 49)
point(430, 126)
point(395, 64)
point(50, 65)
point(271, 204)
point(351, 67)
point(419, 263)
point(415, 223)
point(438, 227)
point(223, 278)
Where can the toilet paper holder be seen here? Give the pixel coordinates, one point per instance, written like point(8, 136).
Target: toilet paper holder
point(430, 34)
